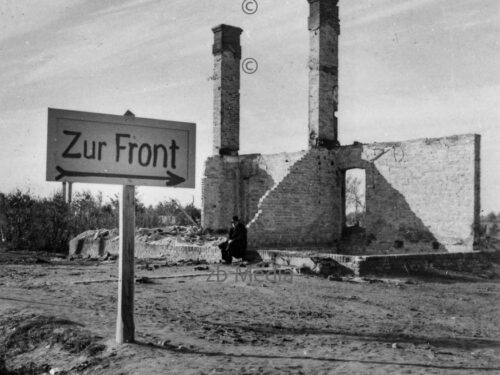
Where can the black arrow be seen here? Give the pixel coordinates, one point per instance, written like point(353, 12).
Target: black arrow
point(171, 179)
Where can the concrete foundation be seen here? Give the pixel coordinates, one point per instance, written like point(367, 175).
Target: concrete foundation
point(434, 264)
point(316, 261)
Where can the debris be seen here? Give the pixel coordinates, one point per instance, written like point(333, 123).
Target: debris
point(190, 262)
point(445, 352)
point(334, 278)
point(164, 343)
point(144, 280)
point(154, 236)
point(262, 264)
point(101, 233)
point(201, 268)
point(148, 277)
point(281, 270)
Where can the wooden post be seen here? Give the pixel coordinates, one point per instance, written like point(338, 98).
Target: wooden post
point(125, 330)
point(64, 191)
point(70, 191)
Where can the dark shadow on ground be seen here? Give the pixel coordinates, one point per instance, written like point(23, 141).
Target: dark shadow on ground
point(466, 343)
point(181, 350)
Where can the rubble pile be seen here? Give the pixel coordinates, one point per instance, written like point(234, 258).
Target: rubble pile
point(158, 236)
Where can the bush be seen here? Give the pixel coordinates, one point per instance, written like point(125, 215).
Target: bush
point(47, 224)
point(31, 223)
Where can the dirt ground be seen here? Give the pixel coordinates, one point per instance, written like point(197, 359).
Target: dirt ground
point(191, 325)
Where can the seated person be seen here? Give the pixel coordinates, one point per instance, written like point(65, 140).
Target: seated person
point(236, 244)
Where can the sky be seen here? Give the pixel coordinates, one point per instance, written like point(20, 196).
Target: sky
point(408, 69)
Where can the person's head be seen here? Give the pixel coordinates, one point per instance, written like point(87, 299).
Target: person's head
point(235, 220)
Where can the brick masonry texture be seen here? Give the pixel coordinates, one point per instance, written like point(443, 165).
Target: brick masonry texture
point(324, 29)
point(421, 196)
point(475, 262)
point(227, 55)
point(411, 264)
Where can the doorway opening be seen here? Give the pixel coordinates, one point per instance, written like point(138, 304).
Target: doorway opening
point(354, 198)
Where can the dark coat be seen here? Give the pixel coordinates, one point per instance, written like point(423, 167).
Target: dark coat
point(238, 236)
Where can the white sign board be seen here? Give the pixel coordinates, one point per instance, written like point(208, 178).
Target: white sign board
point(120, 150)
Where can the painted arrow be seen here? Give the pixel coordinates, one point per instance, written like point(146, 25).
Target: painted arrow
point(171, 179)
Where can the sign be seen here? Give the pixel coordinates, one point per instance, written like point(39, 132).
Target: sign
point(120, 150)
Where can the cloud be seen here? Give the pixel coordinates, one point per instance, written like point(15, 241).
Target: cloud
point(21, 17)
point(431, 115)
point(362, 16)
point(478, 15)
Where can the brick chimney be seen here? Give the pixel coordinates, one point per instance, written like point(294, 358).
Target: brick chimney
point(324, 29)
point(227, 55)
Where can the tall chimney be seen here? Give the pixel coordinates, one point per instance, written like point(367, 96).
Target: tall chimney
point(324, 29)
point(227, 55)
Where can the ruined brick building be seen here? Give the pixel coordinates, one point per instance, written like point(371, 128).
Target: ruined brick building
point(421, 195)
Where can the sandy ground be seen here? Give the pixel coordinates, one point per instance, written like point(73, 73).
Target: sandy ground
point(190, 325)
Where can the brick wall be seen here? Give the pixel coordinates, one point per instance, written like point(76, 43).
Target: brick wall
point(425, 264)
point(234, 185)
point(227, 55)
point(303, 208)
point(324, 30)
point(421, 196)
point(220, 195)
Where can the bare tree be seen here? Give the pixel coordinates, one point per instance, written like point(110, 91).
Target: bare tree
point(355, 200)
